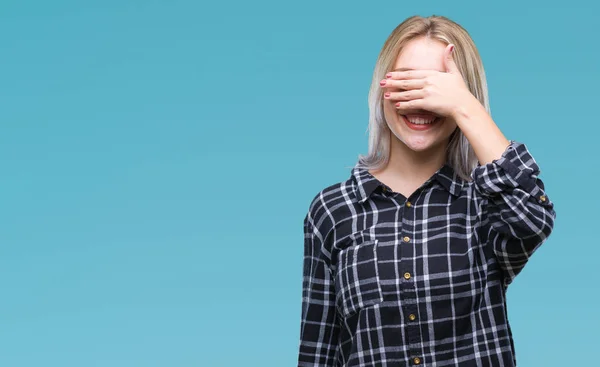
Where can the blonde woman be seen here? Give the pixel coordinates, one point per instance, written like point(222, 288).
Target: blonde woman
point(407, 262)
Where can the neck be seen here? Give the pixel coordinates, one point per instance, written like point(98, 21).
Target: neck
point(415, 166)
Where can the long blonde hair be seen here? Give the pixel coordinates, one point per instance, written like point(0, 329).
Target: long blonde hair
point(460, 154)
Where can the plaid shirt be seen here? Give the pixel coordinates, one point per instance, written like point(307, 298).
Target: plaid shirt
point(395, 281)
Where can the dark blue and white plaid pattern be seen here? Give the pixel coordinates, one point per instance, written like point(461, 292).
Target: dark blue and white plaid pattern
point(395, 281)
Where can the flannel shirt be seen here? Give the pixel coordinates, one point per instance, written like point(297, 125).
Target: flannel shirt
point(420, 281)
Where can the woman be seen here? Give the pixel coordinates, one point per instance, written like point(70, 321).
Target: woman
point(407, 262)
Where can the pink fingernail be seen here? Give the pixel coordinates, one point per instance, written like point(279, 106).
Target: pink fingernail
point(382, 83)
point(387, 94)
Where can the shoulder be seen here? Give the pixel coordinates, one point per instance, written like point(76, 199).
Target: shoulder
point(330, 205)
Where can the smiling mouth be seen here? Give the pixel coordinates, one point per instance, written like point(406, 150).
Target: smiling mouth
point(420, 122)
point(420, 119)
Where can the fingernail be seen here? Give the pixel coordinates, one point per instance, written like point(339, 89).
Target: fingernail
point(386, 95)
point(388, 75)
point(398, 104)
point(382, 83)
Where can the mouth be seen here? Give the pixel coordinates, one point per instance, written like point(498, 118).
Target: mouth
point(421, 122)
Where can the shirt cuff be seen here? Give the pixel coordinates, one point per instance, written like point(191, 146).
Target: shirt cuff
point(516, 168)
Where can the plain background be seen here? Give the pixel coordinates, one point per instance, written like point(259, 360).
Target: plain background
point(158, 157)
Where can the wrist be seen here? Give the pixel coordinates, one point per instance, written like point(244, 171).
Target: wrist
point(469, 109)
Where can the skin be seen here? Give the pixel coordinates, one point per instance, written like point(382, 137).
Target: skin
point(435, 87)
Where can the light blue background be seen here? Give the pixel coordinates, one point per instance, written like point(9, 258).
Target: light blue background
point(158, 157)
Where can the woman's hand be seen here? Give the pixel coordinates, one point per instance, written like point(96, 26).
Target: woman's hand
point(446, 94)
point(441, 93)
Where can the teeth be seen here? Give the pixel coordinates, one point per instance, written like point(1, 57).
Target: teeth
point(420, 120)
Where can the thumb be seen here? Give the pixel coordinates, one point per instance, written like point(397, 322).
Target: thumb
point(449, 60)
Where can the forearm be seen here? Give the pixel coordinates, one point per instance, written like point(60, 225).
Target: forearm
point(481, 131)
point(516, 213)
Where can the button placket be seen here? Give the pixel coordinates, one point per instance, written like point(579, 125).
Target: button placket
point(409, 292)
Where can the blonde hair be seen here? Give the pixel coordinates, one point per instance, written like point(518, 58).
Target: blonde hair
point(460, 154)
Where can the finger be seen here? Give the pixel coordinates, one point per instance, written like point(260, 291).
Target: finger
point(410, 74)
point(449, 59)
point(405, 95)
point(405, 84)
point(414, 104)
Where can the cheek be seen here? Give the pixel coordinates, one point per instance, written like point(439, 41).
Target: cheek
point(449, 127)
point(451, 124)
point(389, 108)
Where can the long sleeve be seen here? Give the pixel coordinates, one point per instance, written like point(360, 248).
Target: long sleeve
point(520, 214)
point(319, 330)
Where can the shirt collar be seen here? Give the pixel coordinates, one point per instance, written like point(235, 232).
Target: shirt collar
point(366, 183)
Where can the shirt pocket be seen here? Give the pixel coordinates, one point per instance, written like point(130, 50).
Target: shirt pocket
point(357, 283)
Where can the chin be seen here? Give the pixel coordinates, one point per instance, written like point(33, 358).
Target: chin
point(419, 144)
point(420, 141)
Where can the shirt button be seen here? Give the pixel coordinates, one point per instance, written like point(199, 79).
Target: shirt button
point(406, 239)
point(417, 360)
point(408, 204)
point(412, 317)
point(407, 275)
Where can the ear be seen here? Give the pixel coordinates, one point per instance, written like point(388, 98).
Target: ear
point(449, 60)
